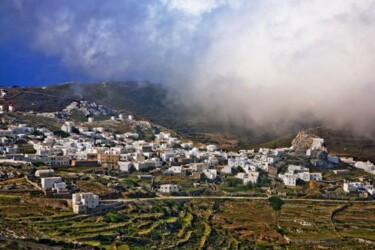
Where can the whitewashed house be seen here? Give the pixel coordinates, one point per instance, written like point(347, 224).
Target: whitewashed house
point(48, 182)
point(168, 188)
point(82, 202)
point(125, 166)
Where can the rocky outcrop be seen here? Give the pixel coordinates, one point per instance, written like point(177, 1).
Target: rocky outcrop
point(322, 161)
point(303, 141)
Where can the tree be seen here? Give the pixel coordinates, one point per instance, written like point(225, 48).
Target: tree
point(61, 133)
point(276, 203)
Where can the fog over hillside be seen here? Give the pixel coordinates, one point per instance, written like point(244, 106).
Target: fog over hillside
point(260, 64)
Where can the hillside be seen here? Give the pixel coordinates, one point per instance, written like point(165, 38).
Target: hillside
point(345, 143)
point(150, 101)
point(142, 99)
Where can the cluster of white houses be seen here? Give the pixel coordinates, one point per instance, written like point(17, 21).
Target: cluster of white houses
point(97, 146)
point(298, 172)
point(351, 187)
point(366, 166)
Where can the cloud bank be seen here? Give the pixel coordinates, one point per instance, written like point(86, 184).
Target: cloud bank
point(252, 63)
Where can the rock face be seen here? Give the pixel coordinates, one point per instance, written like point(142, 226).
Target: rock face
point(322, 161)
point(303, 141)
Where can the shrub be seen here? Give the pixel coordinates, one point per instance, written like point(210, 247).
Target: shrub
point(112, 217)
point(233, 182)
point(276, 202)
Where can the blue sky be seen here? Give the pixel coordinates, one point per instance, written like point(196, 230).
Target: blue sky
point(23, 67)
point(93, 40)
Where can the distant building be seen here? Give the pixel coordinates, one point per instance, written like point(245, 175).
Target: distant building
point(48, 182)
point(125, 166)
point(11, 108)
point(108, 158)
point(56, 160)
point(3, 93)
point(211, 148)
point(352, 186)
point(143, 165)
point(60, 187)
point(289, 179)
point(44, 173)
point(168, 188)
point(83, 202)
point(84, 163)
point(367, 166)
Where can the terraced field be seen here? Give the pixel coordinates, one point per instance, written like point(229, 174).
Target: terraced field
point(356, 221)
point(308, 221)
point(328, 224)
point(191, 224)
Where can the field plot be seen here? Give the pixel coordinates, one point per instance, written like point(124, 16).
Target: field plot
point(253, 221)
point(308, 221)
point(17, 214)
point(356, 221)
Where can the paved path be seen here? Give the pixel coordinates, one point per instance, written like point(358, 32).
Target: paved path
point(230, 198)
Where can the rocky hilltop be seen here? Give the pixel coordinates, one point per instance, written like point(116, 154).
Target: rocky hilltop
point(303, 141)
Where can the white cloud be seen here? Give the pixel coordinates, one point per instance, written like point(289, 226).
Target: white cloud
point(251, 62)
point(193, 7)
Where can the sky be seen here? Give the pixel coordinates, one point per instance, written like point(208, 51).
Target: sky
point(245, 61)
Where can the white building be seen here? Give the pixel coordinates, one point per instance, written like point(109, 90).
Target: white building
point(211, 148)
point(67, 127)
point(143, 165)
point(251, 176)
point(59, 187)
point(210, 174)
point(227, 169)
point(174, 170)
point(168, 188)
point(11, 108)
point(44, 173)
point(125, 166)
point(367, 166)
point(162, 136)
point(81, 202)
point(48, 182)
point(352, 186)
point(370, 189)
point(289, 179)
point(56, 160)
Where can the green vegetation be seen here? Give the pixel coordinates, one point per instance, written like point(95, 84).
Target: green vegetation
point(191, 224)
point(276, 203)
point(61, 133)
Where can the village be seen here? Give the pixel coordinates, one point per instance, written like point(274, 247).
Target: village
point(89, 164)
